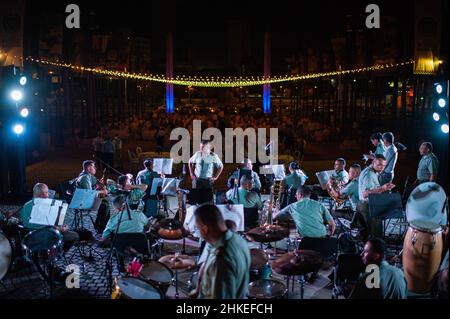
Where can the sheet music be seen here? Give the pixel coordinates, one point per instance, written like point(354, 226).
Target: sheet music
point(236, 214)
point(279, 172)
point(169, 186)
point(324, 177)
point(163, 165)
point(266, 170)
point(46, 211)
point(40, 211)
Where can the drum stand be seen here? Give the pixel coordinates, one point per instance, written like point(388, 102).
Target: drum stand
point(301, 281)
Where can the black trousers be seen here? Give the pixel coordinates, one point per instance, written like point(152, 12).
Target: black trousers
point(102, 217)
point(202, 183)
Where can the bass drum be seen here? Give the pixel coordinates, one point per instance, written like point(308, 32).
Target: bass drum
point(422, 252)
point(5, 255)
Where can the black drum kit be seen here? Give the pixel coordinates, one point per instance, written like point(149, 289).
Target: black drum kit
point(41, 247)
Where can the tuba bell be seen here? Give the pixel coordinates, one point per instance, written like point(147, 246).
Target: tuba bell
point(335, 186)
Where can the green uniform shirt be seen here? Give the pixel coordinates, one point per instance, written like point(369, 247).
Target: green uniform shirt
point(391, 155)
point(309, 216)
point(87, 181)
point(392, 285)
point(204, 164)
point(294, 180)
point(135, 225)
point(247, 198)
point(341, 176)
point(368, 179)
point(381, 149)
point(255, 178)
point(428, 166)
point(146, 177)
point(352, 191)
point(226, 274)
point(25, 214)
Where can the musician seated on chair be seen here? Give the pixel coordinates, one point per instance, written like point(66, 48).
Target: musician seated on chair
point(131, 220)
point(146, 176)
point(87, 180)
point(293, 181)
point(310, 217)
point(390, 280)
point(351, 189)
point(340, 174)
point(246, 164)
point(40, 190)
point(244, 194)
point(136, 192)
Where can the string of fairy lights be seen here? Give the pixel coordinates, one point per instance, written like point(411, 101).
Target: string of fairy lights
point(216, 81)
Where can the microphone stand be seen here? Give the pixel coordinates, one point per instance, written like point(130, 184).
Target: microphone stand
point(108, 166)
point(108, 264)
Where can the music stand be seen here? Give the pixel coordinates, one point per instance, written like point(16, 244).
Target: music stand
point(163, 165)
point(386, 206)
point(84, 201)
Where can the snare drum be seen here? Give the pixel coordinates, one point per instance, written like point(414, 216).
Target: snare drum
point(5, 255)
point(135, 288)
point(45, 243)
point(157, 274)
point(422, 252)
point(267, 289)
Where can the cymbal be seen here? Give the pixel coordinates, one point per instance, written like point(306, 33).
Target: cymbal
point(299, 262)
point(176, 262)
point(268, 233)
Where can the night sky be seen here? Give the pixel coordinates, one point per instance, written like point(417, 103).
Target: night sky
point(200, 27)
